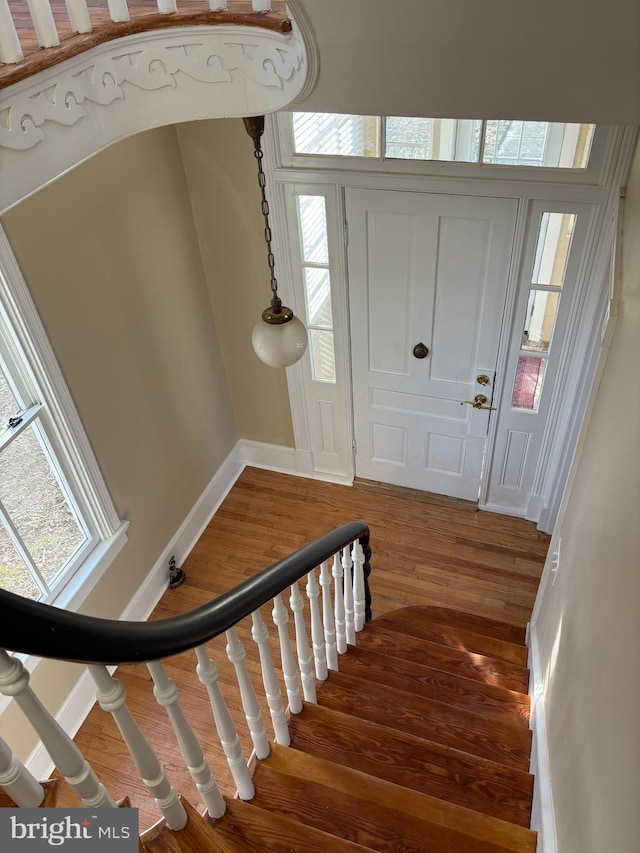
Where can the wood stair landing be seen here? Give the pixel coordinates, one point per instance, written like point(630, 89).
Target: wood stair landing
point(420, 744)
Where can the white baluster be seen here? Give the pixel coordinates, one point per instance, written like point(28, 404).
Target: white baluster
point(14, 681)
point(23, 788)
point(167, 7)
point(166, 693)
point(237, 655)
point(10, 50)
point(118, 10)
point(261, 5)
point(357, 555)
point(317, 630)
point(270, 680)
point(296, 603)
point(78, 16)
point(217, 5)
point(280, 616)
point(348, 596)
point(328, 618)
point(43, 23)
point(341, 637)
point(208, 675)
point(112, 698)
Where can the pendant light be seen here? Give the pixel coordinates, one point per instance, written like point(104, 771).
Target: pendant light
point(279, 338)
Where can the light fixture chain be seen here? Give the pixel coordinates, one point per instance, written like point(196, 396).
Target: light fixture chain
point(262, 182)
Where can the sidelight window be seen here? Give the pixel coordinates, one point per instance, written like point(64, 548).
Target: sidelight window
point(555, 232)
point(312, 218)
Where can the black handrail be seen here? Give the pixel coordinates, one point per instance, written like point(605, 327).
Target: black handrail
point(48, 632)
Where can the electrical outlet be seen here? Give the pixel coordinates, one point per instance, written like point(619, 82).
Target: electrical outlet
point(555, 561)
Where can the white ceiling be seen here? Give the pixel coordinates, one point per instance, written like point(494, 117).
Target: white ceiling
point(563, 60)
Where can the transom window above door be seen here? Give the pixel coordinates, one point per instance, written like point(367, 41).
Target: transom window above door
point(493, 142)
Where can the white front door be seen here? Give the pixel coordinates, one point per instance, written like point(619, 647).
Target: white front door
point(430, 269)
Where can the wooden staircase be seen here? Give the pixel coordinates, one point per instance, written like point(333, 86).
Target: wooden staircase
point(419, 743)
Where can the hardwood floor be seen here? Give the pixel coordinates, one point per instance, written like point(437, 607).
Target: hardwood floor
point(481, 563)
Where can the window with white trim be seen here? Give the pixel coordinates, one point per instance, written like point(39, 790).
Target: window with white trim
point(493, 142)
point(57, 522)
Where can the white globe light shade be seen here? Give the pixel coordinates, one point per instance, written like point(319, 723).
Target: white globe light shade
point(281, 344)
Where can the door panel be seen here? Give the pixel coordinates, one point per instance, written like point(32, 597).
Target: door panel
point(425, 268)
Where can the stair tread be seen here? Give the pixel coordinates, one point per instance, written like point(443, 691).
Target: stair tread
point(379, 814)
point(478, 624)
point(469, 781)
point(451, 726)
point(496, 702)
point(457, 661)
point(197, 836)
point(455, 636)
point(248, 828)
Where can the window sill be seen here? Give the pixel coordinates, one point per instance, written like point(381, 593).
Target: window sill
point(80, 586)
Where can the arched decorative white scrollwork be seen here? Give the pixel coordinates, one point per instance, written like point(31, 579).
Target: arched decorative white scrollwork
point(59, 117)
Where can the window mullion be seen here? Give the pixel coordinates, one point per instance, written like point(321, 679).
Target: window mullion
point(28, 417)
point(316, 265)
point(22, 549)
point(483, 139)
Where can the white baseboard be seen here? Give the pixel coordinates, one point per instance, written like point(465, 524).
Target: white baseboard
point(286, 460)
point(207, 505)
point(542, 813)
point(500, 509)
point(273, 457)
point(81, 699)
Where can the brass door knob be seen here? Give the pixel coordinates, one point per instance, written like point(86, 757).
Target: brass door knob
point(478, 402)
point(483, 379)
point(420, 351)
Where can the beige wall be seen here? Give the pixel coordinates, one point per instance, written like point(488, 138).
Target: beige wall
point(222, 176)
point(588, 626)
point(111, 257)
point(575, 60)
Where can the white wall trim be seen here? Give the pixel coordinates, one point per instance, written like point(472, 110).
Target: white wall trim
point(489, 506)
point(542, 814)
point(287, 460)
point(81, 699)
